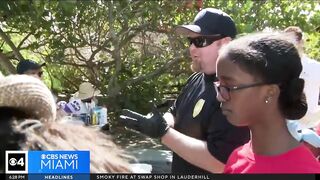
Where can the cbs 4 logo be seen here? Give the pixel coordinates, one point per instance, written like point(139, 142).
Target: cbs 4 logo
point(16, 161)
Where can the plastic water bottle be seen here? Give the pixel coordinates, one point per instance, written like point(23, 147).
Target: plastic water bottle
point(103, 118)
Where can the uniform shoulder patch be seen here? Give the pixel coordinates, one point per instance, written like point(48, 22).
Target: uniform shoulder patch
point(198, 107)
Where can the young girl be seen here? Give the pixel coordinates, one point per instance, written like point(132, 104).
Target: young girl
point(259, 87)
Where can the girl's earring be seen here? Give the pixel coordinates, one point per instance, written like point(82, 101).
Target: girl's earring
point(268, 99)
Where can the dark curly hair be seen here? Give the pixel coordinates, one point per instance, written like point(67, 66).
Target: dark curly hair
point(274, 59)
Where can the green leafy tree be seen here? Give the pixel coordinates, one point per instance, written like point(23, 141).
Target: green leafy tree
point(127, 48)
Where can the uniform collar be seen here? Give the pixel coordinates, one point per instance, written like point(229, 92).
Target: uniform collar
point(212, 77)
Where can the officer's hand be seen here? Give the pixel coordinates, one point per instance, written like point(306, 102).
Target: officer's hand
point(152, 125)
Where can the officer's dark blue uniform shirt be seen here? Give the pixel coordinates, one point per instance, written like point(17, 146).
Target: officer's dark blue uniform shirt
point(206, 122)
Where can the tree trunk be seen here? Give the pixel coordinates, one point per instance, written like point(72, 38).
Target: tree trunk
point(6, 64)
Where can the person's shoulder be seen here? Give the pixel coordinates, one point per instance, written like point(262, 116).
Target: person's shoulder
point(241, 152)
point(306, 157)
point(300, 151)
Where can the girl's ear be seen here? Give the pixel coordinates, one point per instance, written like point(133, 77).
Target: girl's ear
point(273, 92)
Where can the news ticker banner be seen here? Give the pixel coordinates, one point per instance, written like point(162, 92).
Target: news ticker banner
point(164, 177)
point(42, 164)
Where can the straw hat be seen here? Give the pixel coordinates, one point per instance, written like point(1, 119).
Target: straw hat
point(86, 90)
point(29, 95)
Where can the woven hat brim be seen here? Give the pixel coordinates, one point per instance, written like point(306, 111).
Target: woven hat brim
point(86, 95)
point(28, 94)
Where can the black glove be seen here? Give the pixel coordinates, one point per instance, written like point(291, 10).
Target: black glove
point(153, 125)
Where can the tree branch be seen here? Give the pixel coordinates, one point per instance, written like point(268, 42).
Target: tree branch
point(10, 43)
point(24, 39)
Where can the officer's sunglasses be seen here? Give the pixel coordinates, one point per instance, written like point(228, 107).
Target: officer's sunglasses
point(203, 41)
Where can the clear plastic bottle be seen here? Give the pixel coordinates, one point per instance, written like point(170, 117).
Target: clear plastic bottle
point(103, 116)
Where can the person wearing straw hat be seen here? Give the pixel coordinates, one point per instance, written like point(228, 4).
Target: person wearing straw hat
point(24, 99)
point(83, 100)
point(28, 122)
point(28, 95)
point(86, 91)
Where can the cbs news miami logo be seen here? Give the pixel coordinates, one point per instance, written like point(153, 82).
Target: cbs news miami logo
point(47, 162)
